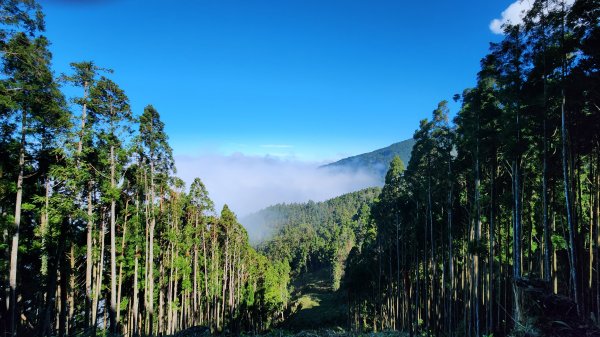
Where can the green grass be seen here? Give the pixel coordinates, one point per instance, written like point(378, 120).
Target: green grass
point(315, 305)
point(307, 302)
point(317, 311)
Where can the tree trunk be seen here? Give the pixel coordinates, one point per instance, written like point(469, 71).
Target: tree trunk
point(89, 259)
point(120, 282)
point(113, 257)
point(492, 247)
point(476, 276)
point(570, 224)
point(207, 298)
point(195, 294)
point(44, 228)
point(99, 274)
point(71, 299)
point(150, 292)
point(135, 296)
point(597, 239)
point(64, 276)
point(12, 303)
point(517, 250)
point(545, 224)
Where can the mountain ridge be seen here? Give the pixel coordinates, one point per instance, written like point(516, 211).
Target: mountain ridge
point(376, 161)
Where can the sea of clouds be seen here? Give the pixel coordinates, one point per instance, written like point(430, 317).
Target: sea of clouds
point(250, 183)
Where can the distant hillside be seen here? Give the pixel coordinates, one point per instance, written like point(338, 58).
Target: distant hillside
point(377, 161)
point(267, 222)
point(315, 238)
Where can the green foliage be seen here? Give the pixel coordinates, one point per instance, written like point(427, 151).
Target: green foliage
point(313, 235)
point(86, 168)
point(485, 199)
point(437, 250)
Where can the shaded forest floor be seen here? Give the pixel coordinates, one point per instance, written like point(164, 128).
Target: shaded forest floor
point(316, 311)
point(315, 305)
point(304, 333)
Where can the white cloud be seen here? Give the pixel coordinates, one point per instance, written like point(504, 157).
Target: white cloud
point(511, 15)
point(250, 183)
point(514, 14)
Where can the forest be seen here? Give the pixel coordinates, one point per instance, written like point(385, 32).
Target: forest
point(314, 236)
point(99, 235)
point(492, 228)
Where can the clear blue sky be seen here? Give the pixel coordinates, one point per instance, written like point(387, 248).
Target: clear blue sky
point(315, 79)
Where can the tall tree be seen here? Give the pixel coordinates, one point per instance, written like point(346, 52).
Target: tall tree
point(85, 76)
point(36, 103)
point(157, 154)
point(110, 107)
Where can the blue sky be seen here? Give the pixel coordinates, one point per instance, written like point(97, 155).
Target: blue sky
point(257, 94)
point(308, 79)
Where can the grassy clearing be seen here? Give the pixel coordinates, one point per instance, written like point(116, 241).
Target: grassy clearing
point(315, 305)
point(317, 311)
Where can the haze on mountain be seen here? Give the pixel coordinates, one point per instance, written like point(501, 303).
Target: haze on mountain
point(115, 183)
point(375, 162)
point(262, 224)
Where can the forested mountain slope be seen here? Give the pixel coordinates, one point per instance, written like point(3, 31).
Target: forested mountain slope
point(314, 239)
point(270, 221)
point(378, 161)
point(312, 235)
point(493, 228)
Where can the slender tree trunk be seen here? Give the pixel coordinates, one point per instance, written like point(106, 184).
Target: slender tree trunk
point(516, 246)
point(44, 228)
point(150, 308)
point(591, 238)
point(554, 260)
point(89, 259)
point(64, 276)
point(120, 282)
point(476, 276)
point(99, 274)
point(547, 242)
point(207, 298)
point(597, 239)
point(517, 250)
point(135, 295)
point(450, 262)
point(170, 293)
point(174, 310)
point(225, 270)
point(113, 256)
point(492, 247)
point(397, 243)
point(147, 203)
point(12, 303)
point(72, 287)
point(195, 270)
point(570, 224)
point(161, 297)
point(51, 290)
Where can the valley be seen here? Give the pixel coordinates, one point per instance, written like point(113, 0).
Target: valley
point(486, 223)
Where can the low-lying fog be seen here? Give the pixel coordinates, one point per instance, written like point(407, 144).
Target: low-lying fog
point(250, 183)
